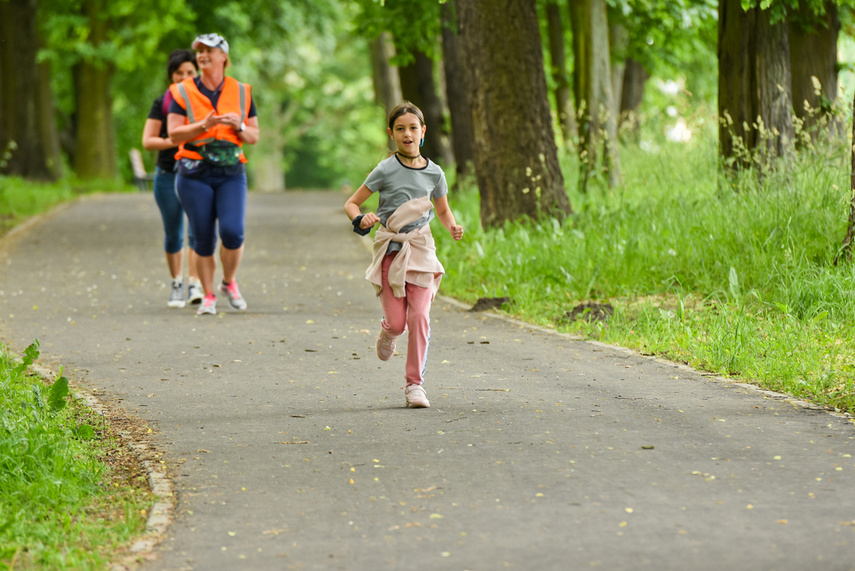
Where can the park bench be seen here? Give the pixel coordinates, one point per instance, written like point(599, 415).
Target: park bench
point(142, 179)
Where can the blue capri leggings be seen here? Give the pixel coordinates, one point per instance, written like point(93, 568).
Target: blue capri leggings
point(212, 199)
point(171, 212)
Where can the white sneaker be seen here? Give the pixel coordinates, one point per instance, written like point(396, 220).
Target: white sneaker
point(415, 397)
point(176, 296)
point(233, 293)
point(195, 293)
point(385, 345)
point(209, 306)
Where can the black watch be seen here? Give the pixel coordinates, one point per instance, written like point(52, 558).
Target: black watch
point(356, 228)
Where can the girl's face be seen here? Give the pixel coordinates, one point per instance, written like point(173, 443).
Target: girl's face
point(184, 71)
point(407, 132)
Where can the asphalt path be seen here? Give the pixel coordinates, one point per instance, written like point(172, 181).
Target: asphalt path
point(287, 446)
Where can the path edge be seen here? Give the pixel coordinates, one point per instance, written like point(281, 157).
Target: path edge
point(161, 514)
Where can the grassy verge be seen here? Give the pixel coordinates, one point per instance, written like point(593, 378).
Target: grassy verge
point(21, 199)
point(70, 494)
point(729, 275)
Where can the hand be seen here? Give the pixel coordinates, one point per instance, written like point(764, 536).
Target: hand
point(369, 220)
point(456, 231)
point(209, 121)
point(230, 119)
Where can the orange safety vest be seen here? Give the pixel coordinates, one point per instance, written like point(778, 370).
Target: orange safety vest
point(235, 97)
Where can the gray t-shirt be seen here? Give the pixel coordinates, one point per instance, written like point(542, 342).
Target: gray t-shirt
point(398, 184)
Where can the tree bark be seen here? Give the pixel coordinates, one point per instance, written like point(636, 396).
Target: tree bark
point(95, 150)
point(845, 251)
point(27, 127)
point(387, 81)
point(634, 80)
point(419, 87)
point(594, 99)
point(458, 102)
point(813, 54)
point(517, 161)
point(755, 103)
point(560, 77)
point(618, 44)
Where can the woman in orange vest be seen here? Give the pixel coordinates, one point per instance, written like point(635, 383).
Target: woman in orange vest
point(212, 117)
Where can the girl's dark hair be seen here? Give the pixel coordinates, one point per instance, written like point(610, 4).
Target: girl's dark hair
point(176, 58)
point(403, 109)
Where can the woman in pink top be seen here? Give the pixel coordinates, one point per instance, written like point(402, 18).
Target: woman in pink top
point(405, 270)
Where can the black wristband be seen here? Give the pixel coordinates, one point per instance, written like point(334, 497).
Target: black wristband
point(356, 228)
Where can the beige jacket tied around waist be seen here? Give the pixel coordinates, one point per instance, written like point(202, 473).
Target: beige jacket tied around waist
point(416, 262)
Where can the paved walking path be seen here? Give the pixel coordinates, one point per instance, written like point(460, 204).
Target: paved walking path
point(287, 446)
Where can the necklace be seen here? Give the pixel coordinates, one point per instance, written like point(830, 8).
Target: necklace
point(413, 158)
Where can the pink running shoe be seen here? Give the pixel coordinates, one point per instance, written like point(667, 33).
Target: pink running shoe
point(233, 294)
point(208, 306)
point(385, 345)
point(415, 397)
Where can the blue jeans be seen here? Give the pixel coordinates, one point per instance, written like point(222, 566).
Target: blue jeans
point(171, 211)
point(213, 200)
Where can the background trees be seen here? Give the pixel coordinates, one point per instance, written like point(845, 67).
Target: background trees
point(77, 78)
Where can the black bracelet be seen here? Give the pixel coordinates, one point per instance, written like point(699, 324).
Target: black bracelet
point(356, 228)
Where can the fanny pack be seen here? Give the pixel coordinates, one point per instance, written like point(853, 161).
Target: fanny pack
point(217, 153)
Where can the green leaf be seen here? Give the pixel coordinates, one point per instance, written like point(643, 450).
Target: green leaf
point(85, 432)
point(31, 353)
point(58, 394)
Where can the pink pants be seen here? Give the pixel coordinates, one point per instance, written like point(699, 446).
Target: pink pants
point(411, 312)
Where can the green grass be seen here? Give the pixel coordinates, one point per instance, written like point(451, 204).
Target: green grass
point(61, 507)
point(21, 199)
point(730, 275)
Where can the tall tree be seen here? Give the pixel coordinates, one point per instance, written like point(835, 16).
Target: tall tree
point(754, 103)
point(27, 123)
point(418, 85)
point(560, 77)
point(593, 89)
point(517, 160)
point(387, 80)
point(458, 102)
point(813, 34)
point(95, 147)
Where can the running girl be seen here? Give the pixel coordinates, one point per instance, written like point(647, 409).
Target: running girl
point(405, 270)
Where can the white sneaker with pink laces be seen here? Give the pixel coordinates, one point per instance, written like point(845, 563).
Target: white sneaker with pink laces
point(233, 294)
point(415, 397)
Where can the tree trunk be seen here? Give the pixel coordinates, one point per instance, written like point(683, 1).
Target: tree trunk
point(634, 79)
point(268, 156)
point(95, 150)
point(517, 161)
point(592, 84)
point(27, 127)
point(846, 248)
point(754, 99)
point(458, 103)
point(563, 100)
point(419, 87)
point(387, 82)
point(618, 44)
point(813, 54)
